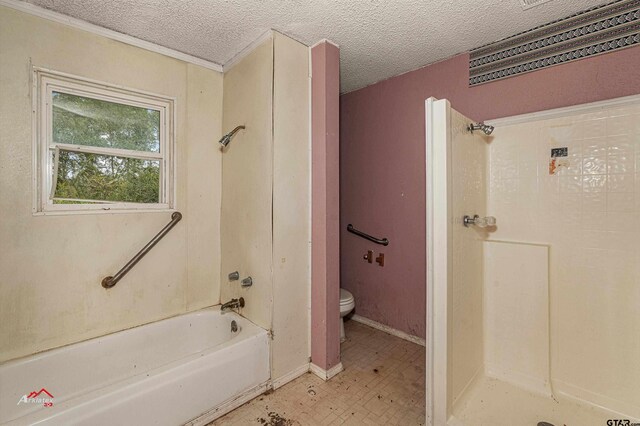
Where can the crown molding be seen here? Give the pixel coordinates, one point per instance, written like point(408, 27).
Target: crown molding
point(267, 35)
point(104, 32)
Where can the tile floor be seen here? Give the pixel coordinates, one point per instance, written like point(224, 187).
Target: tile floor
point(383, 383)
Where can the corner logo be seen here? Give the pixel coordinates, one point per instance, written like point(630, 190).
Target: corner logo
point(37, 398)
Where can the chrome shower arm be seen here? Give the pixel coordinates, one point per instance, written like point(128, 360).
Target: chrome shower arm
point(224, 141)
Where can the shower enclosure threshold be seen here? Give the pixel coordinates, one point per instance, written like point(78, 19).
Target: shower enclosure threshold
point(492, 402)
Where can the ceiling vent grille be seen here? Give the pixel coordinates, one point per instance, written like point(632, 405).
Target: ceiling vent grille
point(601, 29)
point(528, 4)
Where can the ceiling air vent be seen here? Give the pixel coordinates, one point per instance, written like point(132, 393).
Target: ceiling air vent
point(528, 4)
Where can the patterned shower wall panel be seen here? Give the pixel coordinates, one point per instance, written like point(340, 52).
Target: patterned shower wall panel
point(586, 212)
point(516, 314)
point(599, 30)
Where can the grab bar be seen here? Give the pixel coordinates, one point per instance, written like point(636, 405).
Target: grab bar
point(384, 241)
point(110, 281)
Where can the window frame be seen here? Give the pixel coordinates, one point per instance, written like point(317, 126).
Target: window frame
point(45, 82)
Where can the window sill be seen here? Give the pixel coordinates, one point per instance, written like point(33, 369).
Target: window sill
point(103, 211)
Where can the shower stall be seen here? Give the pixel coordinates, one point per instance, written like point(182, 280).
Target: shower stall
point(533, 267)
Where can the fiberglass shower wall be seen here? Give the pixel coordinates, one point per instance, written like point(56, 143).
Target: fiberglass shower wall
point(584, 205)
point(456, 175)
point(468, 197)
point(536, 319)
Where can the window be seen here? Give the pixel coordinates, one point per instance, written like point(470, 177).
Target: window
point(101, 147)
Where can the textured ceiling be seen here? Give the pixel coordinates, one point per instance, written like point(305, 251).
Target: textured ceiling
point(378, 38)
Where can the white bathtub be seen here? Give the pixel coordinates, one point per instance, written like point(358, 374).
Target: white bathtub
point(165, 373)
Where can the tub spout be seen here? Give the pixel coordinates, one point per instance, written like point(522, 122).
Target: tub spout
point(232, 304)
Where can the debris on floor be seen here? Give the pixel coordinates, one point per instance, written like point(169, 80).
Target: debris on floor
point(275, 419)
point(383, 383)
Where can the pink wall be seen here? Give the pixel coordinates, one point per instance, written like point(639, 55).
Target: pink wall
point(325, 211)
point(382, 156)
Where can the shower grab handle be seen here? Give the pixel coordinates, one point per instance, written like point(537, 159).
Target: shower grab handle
point(384, 241)
point(481, 222)
point(111, 281)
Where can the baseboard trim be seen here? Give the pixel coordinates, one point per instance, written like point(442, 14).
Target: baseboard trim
point(326, 374)
point(401, 334)
point(226, 407)
point(292, 375)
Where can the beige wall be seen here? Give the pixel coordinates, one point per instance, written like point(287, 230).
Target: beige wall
point(587, 213)
point(468, 196)
point(204, 185)
point(247, 182)
point(291, 203)
point(51, 266)
point(265, 194)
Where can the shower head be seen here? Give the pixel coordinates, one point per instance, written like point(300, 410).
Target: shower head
point(224, 141)
point(485, 128)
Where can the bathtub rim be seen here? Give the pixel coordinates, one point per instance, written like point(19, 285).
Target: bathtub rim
point(200, 311)
point(248, 331)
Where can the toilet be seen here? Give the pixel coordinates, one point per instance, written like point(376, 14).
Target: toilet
point(347, 303)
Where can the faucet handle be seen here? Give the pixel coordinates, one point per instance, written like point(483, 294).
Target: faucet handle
point(247, 282)
point(234, 276)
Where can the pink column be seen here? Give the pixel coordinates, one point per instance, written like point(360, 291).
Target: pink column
point(325, 211)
